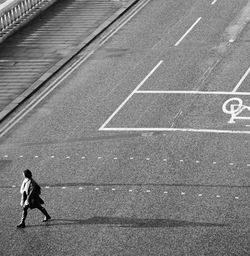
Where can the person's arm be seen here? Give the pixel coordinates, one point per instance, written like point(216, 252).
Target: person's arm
point(23, 198)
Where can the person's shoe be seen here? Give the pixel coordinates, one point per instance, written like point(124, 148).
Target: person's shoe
point(21, 225)
point(46, 218)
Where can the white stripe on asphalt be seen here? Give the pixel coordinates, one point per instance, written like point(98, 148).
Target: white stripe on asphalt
point(213, 2)
point(194, 92)
point(131, 94)
point(241, 80)
point(154, 129)
point(188, 31)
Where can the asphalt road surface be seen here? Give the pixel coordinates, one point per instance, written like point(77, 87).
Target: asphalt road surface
point(144, 148)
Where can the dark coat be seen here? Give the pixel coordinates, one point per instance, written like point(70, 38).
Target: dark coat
point(32, 198)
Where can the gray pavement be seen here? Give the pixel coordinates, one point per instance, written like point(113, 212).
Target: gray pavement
point(38, 50)
point(137, 193)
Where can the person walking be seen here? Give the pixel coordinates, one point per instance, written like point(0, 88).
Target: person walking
point(31, 191)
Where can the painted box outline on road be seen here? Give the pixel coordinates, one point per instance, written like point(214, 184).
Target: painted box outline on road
point(137, 90)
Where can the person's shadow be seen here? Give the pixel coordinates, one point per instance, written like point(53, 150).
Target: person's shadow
point(126, 222)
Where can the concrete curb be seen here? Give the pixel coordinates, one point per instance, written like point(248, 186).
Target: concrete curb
point(61, 63)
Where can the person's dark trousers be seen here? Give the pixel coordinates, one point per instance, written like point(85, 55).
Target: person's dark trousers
point(25, 212)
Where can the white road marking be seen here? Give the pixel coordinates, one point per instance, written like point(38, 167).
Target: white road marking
point(213, 2)
point(131, 94)
point(236, 197)
point(194, 92)
point(200, 195)
point(179, 41)
point(231, 163)
point(63, 187)
point(241, 80)
point(165, 192)
point(21, 156)
point(96, 188)
point(218, 196)
point(132, 129)
point(80, 188)
point(13, 186)
point(214, 162)
point(147, 191)
point(183, 193)
point(197, 162)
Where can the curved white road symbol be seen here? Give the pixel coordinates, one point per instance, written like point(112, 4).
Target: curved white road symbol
point(234, 106)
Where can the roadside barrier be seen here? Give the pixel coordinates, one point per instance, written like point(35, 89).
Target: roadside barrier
point(15, 13)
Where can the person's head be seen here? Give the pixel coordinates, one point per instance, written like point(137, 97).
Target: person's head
point(27, 174)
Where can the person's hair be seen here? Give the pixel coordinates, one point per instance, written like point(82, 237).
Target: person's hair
point(27, 174)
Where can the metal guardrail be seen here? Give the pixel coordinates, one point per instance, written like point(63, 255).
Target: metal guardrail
point(13, 12)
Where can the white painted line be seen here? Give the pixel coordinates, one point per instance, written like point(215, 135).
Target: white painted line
point(179, 41)
point(5, 156)
point(181, 160)
point(241, 80)
point(21, 156)
point(96, 188)
point(63, 187)
point(13, 186)
point(130, 190)
point(197, 162)
point(147, 159)
point(218, 196)
point(213, 2)
point(80, 188)
point(183, 193)
point(128, 129)
point(165, 160)
point(200, 195)
point(193, 92)
point(214, 162)
point(231, 163)
point(248, 164)
point(67, 157)
point(52, 157)
point(83, 157)
point(36, 156)
point(113, 189)
point(147, 191)
point(131, 94)
point(47, 187)
point(165, 192)
point(236, 197)
point(131, 158)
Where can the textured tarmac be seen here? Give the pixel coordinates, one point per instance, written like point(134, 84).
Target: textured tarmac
point(35, 52)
